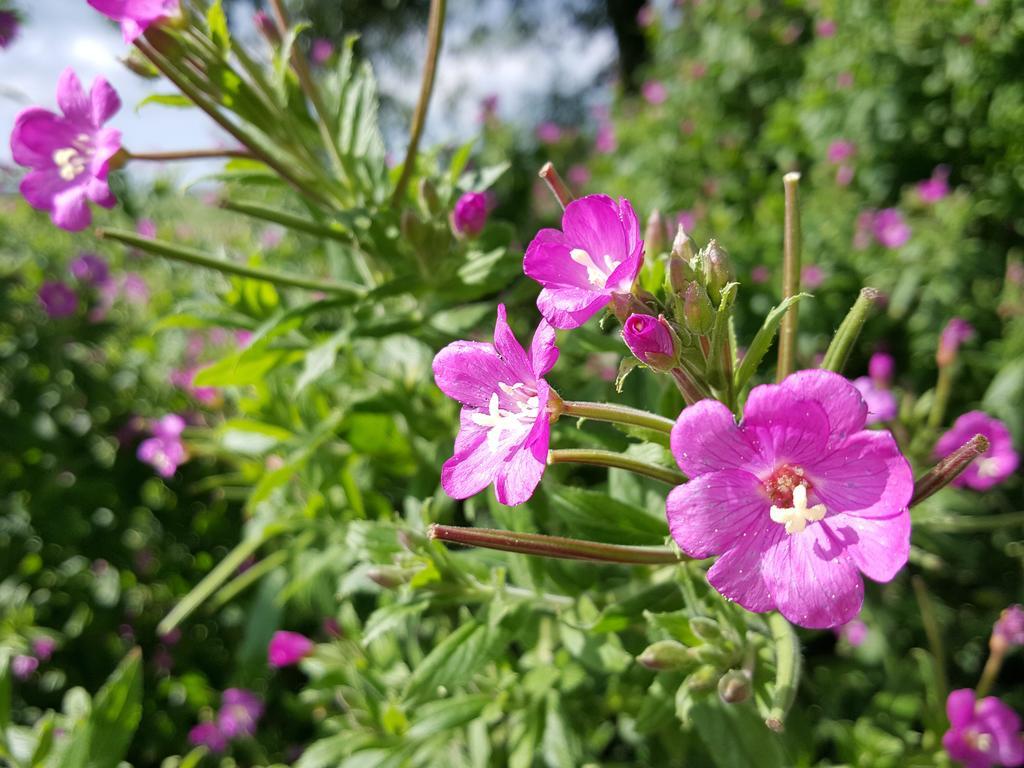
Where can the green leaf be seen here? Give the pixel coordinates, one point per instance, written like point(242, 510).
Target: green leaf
point(559, 749)
point(5, 691)
point(762, 341)
point(217, 24)
point(387, 619)
point(166, 100)
point(447, 714)
point(455, 660)
point(594, 515)
point(240, 370)
point(734, 735)
point(623, 612)
point(460, 159)
point(626, 366)
point(320, 359)
point(841, 346)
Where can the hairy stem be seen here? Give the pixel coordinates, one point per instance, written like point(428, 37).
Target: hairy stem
point(790, 276)
point(555, 184)
point(188, 154)
point(617, 414)
point(598, 458)
point(948, 469)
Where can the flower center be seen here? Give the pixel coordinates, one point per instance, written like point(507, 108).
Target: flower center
point(515, 421)
point(982, 742)
point(72, 161)
point(988, 466)
point(597, 276)
point(787, 488)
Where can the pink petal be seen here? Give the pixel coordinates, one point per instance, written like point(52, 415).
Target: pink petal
point(551, 303)
point(71, 98)
point(715, 511)
point(847, 412)
point(791, 430)
point(543, 352)
point(960, 707)
point(705, 438)
point(520, 475)
point(547, 261)
point(867, 476)
point(40, 188)
point(878, 546)
point(469, 371)
point(99, 192)
point(70, 210)
point(593, 224)
point(812, 579)
point(104, 101)
point(511, 350)
point(36, 135)
point(108, 144)
point(737, 573)
point(474, 466)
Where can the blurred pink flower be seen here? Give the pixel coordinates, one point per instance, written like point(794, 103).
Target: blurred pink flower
point(604, 141)
point(90, 268)
point(489, 108)
point(645, 16)
point(844, 80)
point(825, 28)
point(208, 735)
point(548, 132)
point(654, 92)
point(9, 26)
point(135, 16)
point(23, 667)
point(844, 175)
point(687, 219)
point(935, 188)
point(812, 276)
point(58, 299)
point(854, 632)
point(760, 274)
point(890, 228)
point(840, 150)
point(321, 51)
point(146, 228)
point(288, 648)
point(578, 175)
point(470, 213)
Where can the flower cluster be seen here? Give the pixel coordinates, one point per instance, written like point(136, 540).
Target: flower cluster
point(239, 714)
point(164, 451)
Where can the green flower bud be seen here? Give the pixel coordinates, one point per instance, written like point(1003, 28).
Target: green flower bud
point(683, 246)
point(680, 274)
point(706, 629)
point(654, 234)
point(716, 268)
point(428, 197)
point(703, 679)
point(734, 686)
point(666, 654)
point(697, 309)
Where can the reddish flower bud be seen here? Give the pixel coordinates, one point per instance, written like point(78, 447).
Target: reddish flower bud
point(651, 340)
point(470, 214)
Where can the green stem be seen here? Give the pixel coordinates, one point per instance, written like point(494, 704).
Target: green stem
point(331, 231)
point(188, 154)
point(790, 276)
point(943, 389)
point(839, 349)
point(688, 386)
point(966, 524)
point(948, 469)
point(435, 33)
point(555, 184)
point(191, 256)
point(994, 663)
point(787, 670)
point(617, 460)
point(617, 414)
point(553, 546)
point(244, 580)
point(934, 634)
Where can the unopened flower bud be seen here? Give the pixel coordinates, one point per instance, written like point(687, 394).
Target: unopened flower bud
point(683, 246)
point(880, 368)
point(429, 197)
point(697, 309)
point(666, 654)
point(680, 274)
point(734, 687)
point(1008, 631)
point(386, 576)
point(651, 340)
point(956, 332)
point(470, 214)
point(717, 269)
point(136, 63)
point(654, 234)
point(625, 304)
point(706, 629)
point(703, 679)
point(267, 27)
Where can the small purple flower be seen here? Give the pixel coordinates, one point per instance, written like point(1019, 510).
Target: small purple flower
point(265, 25)
point(937, 187)
point(654, 92)
point(549, 132)
point(43, 647)
point(651, 341)
point(890, 228)
point(605, 142)
point(844, 175)
point(760, 274)
point(597, 252)
point(134, 288)
point(9, 26)
point(955, 333)
point(470, 213)
point(146, 228)
point(1009, 628)
point(58, 299)
point(90, 268)
point(840, 151)
point(164, 451)
point(984, 733)
point(240, 711)
point(863, 231)
point(687, 219)
point(578, 175)
point(135, 16)
point(882, 405)
point(208, 735)
point(504, 424)
point(994, 465)
point(853, 633)
point(825, 28)
point(183, 378)
point(812, 276)
point(23, 667)
point(645, 16)
point(322, 50)
point(881, 367)
point(797, 501)
point(288, 648)
point(69, 155)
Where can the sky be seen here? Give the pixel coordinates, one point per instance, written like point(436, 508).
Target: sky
point(62, 33)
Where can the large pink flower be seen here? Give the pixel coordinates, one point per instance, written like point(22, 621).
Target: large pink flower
point(597, 252)
point(69, 155)
point(982, 733)
point(797, 501)
point(503, 437)
point(135, 16)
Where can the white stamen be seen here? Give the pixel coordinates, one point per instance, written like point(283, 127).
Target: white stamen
point(500, 422)
point(795, 518)
point(596, 275)
point(988, 467)
point(69, 161)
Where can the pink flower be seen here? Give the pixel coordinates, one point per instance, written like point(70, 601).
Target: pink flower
point(43, 647)
point(645, 16)
point(937, 187)
point(134, 288)
point(548, 132)
point(1009, 629)
point(812, 276)
point(890, 229)
point(58, 299)
point(955, 333)
point(135, 16)
point(984, 733)
point(597, 252)
point(994, 465)
point(146, 228)
point(797, 501)
point(654, 92)
point(164, 451)
point(825, 28)
point(208, 735)
point(881, 367)
point(489, 108)
point(265, 25)
point(23, 667)
point(840, 151)
point(578, 175)
point(288, 648)
point(688, 219)
point(864, 230)
point(69, 154)
point(470, 213)
point(322, 51)
point(9, 25)
point(881, 402)
point(504, 432)
point(651, 341)
point(90, 268)
point(271, 237)
point(240, 711)
point(844, 80)
point(853, 633)
point(604, 142)
point(760, 274)
point(844, 175)
point(183, 379)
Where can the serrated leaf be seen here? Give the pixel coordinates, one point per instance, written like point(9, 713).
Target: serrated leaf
point(626, 367)
point(455, 660)
point(762, 341)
